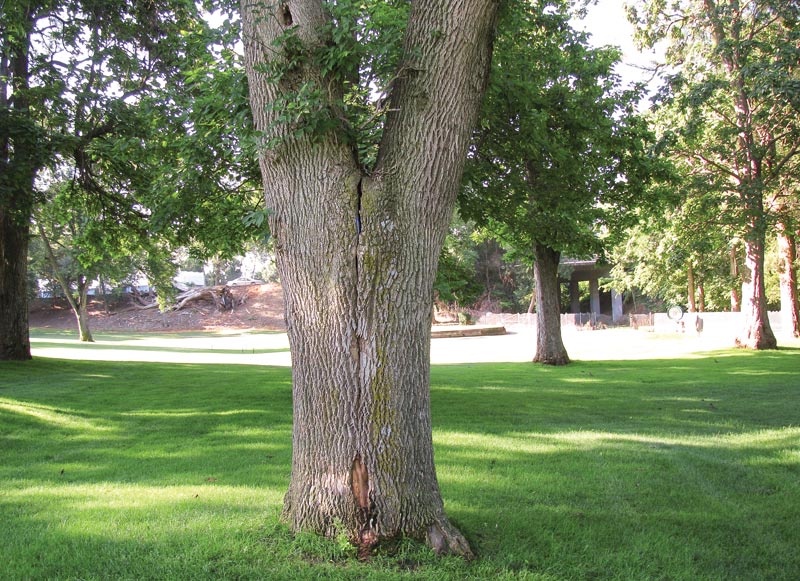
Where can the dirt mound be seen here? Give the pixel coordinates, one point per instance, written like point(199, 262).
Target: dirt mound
point(255, 307)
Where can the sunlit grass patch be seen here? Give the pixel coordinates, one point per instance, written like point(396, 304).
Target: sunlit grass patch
point(675, 469)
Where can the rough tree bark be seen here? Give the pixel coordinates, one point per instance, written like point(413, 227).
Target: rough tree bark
point(549, 344)
point(357, 255)
point(14, 339)
point(787, 256)
point(17, 172)
point(756, 332)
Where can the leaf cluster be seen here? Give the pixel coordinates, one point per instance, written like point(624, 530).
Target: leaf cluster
point(354, 66)
point(560, 157)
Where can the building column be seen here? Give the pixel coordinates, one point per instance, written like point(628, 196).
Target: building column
point(594, 295)
point(616, 306)
point(574, 297)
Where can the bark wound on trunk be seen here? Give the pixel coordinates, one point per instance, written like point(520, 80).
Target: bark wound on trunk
point(367, 538)
point(286, 15)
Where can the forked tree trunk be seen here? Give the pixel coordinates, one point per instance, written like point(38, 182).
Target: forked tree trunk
point(77, 304)
point(549, 344)
point(757, 332)
point(357, 255)
point(787, 256)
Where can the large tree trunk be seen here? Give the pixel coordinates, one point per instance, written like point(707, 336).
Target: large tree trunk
point(18, 167)
point(549, 345)
point(787, 255)
point(756, 332)
point(357, 255)
point(14, 338)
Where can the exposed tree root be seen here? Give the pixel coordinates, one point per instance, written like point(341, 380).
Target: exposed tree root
point(445, 539)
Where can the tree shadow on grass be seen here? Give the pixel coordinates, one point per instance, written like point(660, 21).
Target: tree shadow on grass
point(684, 468)
point(146, 423)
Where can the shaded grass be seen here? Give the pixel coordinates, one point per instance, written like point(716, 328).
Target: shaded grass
point(664, 469)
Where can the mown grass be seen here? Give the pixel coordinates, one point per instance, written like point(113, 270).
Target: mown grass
point(662, 469)
point(44, 339)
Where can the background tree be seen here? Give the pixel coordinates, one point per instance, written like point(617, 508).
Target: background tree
point(359, 208)
point(559, 158)
point(100, 95)
point(785, 205)
point(82, 246)
point(737, 93)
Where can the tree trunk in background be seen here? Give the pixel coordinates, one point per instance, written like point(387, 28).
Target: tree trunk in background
point(736, 300)
point(81, 314)
point(736, 296)
point(549, 345)
point(787, 256)
point(357, 255)
point(701, 297)
point(78, 305)
point(690, 288)
point(756, 333)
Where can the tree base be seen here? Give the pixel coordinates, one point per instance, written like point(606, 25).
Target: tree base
point(757, 343)
point(546, 359)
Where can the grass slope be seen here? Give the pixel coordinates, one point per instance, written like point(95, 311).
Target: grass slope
point(663, 469)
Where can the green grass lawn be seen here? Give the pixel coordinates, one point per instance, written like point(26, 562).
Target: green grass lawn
point(662, 469)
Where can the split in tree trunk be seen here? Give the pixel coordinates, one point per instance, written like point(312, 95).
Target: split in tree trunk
point(549, 344)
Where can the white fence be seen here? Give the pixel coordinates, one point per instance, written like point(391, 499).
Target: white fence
point(712, 323)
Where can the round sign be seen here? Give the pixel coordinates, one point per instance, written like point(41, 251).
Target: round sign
point(675, 313)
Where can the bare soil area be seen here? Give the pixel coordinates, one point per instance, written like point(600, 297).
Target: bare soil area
point(255, 307)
